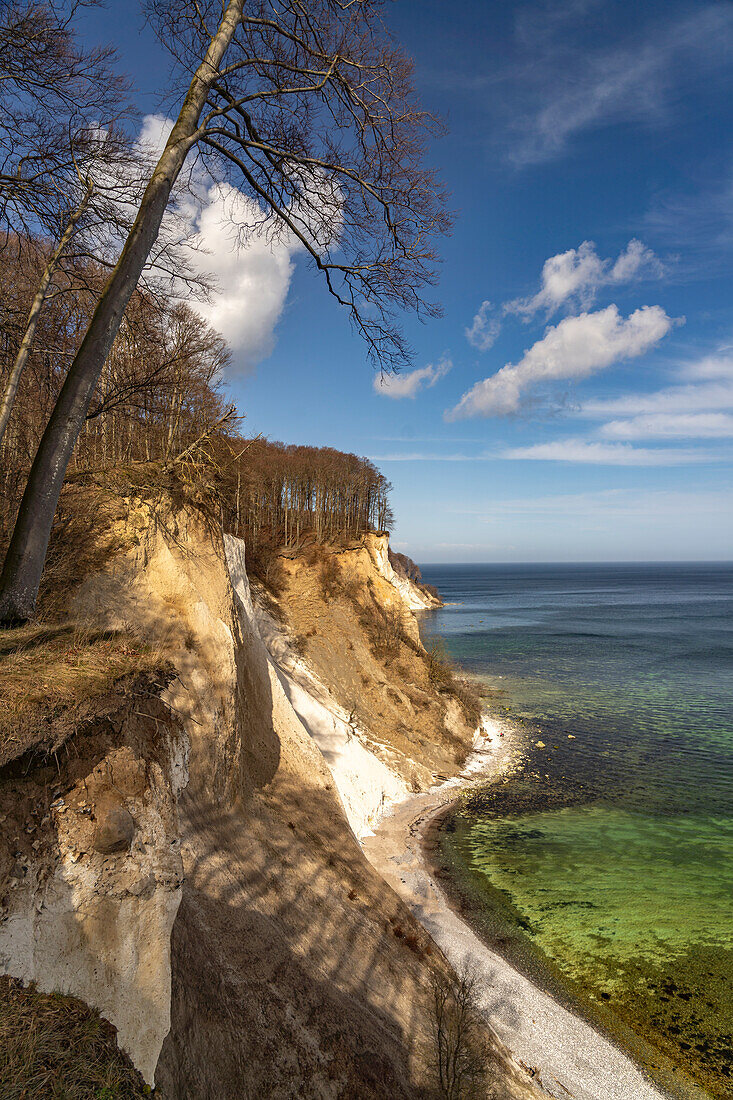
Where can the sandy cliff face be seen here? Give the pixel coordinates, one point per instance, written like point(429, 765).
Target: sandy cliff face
point(223, 803)
point(94, 885)
point(392, 706)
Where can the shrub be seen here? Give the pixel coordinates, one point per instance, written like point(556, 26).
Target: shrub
point(329, 577)
point(353, 589)
point(443, 678)
point(440, 670)
point(384, 629)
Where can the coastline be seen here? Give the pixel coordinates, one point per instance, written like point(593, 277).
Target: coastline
point(568, 1056)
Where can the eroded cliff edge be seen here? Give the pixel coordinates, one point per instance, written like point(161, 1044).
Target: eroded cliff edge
point(187, 861)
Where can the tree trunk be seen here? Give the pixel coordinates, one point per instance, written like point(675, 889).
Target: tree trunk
point(26, 554)
point(34, 315)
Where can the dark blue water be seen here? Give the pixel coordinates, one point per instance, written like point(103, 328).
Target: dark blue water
point(612, 853)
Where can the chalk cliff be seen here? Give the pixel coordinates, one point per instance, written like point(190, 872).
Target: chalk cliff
point(188, 861)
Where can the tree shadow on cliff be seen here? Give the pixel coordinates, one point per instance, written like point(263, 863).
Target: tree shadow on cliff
point(289, 978)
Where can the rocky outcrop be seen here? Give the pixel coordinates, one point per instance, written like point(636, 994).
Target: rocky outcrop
point(415, 596)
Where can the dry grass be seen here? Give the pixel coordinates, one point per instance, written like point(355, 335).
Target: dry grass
point(442, 676)
point(384, 629)
point(58, 1048)
point(49, 672)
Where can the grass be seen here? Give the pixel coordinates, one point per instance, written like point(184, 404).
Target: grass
point(58, 1048)
point(49, 671)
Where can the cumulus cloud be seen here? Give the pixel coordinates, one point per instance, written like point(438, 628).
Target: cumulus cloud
point(247, 255)
point(574, 348)
point(576, 276)
point(251, 269)
point(154, 133)
point(607, 454)
point(409, 383)
point(484, 328)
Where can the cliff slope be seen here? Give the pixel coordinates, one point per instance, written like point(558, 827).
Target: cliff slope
point(202, 801)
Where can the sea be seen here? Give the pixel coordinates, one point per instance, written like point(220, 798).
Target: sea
point(604, 867)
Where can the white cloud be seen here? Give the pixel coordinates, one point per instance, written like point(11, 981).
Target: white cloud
point(710, 366)
point(577, 274)
point(252, 271)
point(607, 454)
point(484, 329)
point(247, 254)
point(154, 133)
point(575, 348)
point(712, 394)
point(409, 383)
point(700, 425)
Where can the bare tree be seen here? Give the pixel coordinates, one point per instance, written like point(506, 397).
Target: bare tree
point(34, 314)
point(53, 96)
point(460, 1054)
point(70, 174)
point(309, 106)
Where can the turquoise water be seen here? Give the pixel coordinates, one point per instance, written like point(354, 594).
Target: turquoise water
point(610, 857)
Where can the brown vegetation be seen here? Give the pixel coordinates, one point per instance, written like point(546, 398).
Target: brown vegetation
point(284, 496)
point(50, 674)
point(57, 1047)
point(161, 386)
point(443, 677)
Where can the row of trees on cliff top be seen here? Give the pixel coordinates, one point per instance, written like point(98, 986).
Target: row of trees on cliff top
point(160, 392)
point(304, 105)
point(285, 493)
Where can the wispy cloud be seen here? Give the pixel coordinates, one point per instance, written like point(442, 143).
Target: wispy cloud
point(573, 91)
point(575, 348)
point(409, 383)
point(484, 328)
point(608, 454)
point(703, 425)
point(610, 503)
point(699, 222)
point(713, 393)
point(429, 456)
point(577, 275)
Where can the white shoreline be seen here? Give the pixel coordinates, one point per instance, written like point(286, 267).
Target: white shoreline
point(571, 1058)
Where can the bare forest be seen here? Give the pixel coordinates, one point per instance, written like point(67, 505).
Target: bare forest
point(161, 393)
point(309, 111)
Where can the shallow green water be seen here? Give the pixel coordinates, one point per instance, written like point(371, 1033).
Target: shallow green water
point(611, 857)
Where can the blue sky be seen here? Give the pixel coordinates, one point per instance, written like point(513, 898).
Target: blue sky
point(575, 401)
